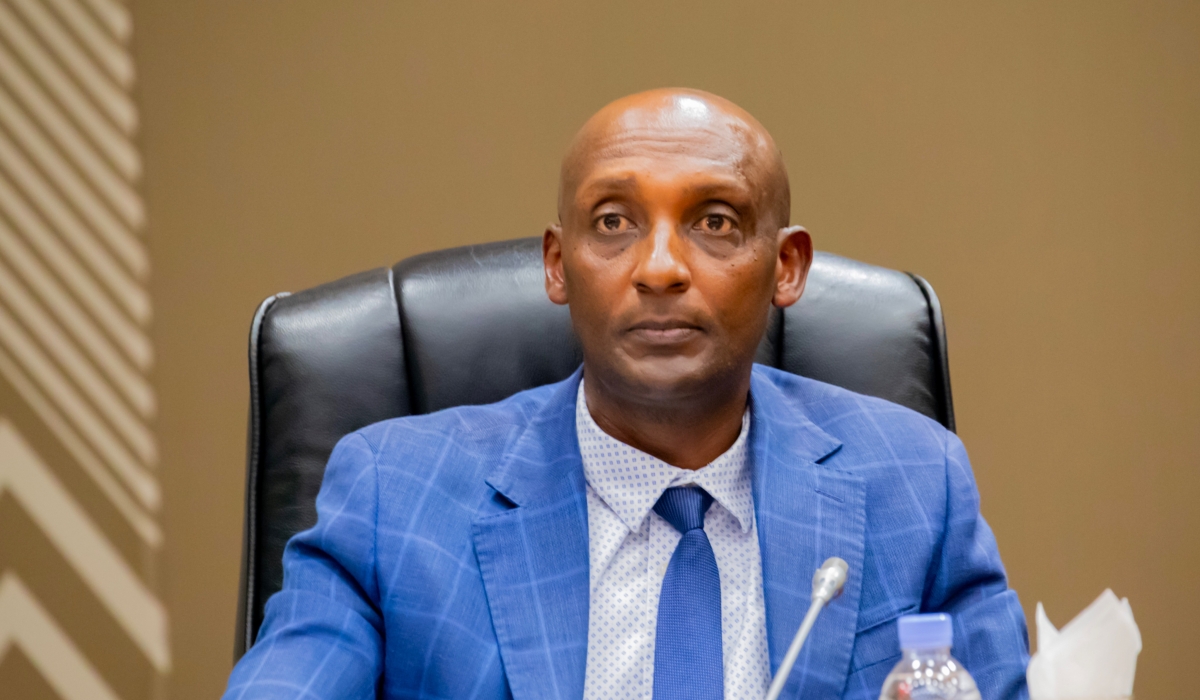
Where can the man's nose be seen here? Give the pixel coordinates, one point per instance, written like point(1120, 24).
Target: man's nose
point(661, 266)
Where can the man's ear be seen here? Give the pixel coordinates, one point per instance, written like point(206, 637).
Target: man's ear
point(792, 265)
point(552, 262)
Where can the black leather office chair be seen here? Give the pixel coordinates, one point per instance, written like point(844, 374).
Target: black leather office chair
point(473, 325)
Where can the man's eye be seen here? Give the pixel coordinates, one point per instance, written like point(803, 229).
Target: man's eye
point(716, 223)
point(613, 223)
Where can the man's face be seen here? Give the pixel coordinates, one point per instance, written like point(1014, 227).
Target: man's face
point(668, 253)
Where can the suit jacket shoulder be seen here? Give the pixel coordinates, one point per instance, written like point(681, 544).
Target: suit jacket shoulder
point(852, 417)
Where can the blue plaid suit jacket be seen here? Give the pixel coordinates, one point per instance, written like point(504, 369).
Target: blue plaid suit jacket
point(450, 556)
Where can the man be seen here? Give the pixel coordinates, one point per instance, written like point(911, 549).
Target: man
point(648, 527)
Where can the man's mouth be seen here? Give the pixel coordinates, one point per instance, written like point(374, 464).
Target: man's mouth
point(665, 332)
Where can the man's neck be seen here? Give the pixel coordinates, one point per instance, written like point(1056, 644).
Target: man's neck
point(689, 434)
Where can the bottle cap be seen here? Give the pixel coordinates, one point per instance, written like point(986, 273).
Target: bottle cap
point(926, 631)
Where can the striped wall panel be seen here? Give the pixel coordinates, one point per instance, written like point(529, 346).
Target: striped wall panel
point(80, 615)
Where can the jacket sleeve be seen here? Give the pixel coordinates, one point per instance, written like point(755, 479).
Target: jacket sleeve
point(321, 635)
point(969, 582)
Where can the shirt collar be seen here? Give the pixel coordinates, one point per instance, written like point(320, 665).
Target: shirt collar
point(631, 481)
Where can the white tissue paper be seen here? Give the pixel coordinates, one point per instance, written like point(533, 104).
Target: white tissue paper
point(1093, 656)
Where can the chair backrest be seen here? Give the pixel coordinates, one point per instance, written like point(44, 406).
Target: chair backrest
point(473, 325)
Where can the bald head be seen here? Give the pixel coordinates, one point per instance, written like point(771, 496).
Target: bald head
point(677, 122)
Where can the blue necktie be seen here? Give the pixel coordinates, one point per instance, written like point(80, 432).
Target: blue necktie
point(687, 645)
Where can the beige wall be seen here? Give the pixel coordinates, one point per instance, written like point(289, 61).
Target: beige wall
point(1038, 162)
point(81, 615)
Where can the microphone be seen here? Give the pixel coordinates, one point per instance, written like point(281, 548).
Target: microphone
point(827, 585)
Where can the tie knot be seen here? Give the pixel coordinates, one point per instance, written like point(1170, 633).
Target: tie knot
point(684, 507)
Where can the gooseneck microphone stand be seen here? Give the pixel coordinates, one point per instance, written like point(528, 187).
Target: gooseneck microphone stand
point(827, 585)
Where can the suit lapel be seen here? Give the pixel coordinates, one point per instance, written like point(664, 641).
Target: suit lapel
point(805, 513)
point(533, 555)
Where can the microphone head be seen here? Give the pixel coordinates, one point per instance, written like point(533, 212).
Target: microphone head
point(829, 579)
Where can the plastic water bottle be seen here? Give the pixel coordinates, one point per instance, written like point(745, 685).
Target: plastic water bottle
point(927, 671)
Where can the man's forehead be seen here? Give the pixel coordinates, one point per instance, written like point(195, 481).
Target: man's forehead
point(634, 170)
point(650, 144)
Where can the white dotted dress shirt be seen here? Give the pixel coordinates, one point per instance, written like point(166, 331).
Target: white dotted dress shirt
point(630, 546)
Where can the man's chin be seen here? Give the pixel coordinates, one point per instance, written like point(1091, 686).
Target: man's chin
point(667, 379)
